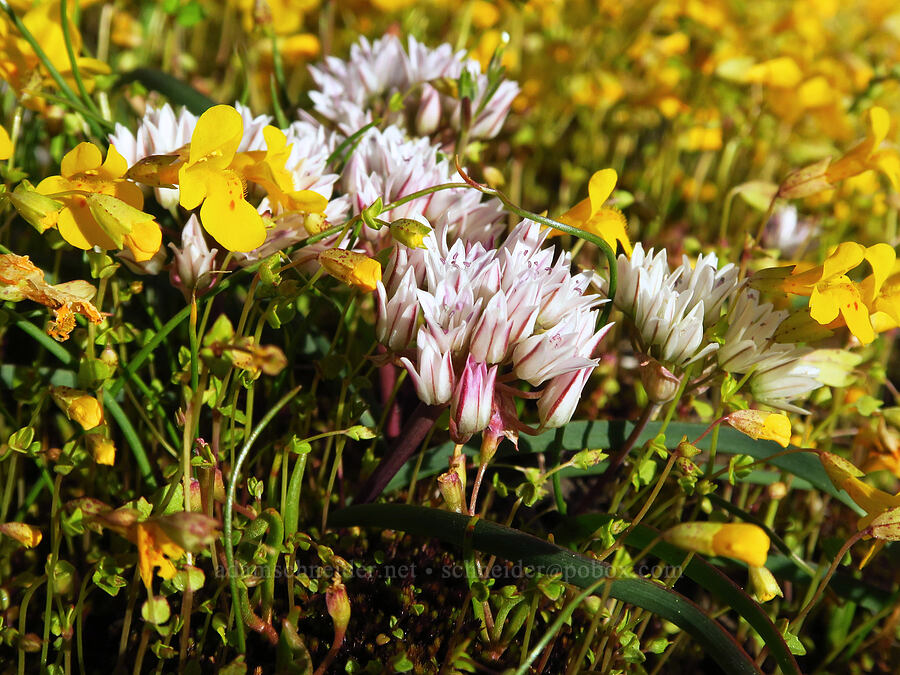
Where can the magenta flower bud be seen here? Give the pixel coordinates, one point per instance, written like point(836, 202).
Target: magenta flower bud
point(470, 409)
point(560, 398)
point(191, 268)
point(429, 115)
point(434, 377)
point(396, 324)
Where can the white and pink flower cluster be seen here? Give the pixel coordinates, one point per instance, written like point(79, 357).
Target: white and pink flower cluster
point(352, 93)
point(484, 320)
point(674, 312)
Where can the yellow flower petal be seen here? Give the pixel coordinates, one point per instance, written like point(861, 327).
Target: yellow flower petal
point(78, 405)
point(83, 157)
point(779, 72)
point(77, 226)
point(742, 541)
point(879, 123)
point(888, 161)
point(115, 165)
point(6, 146)
point(192, 185)
point(760, 424)
point(228, 217)
point(856, 316)
point(844, 258)
point(881, 257)
point(102, 449)
point(216, 137)
point(601, 187)
point(610, 224)
point(144, 240)
point(577, 216)
point(352, 267)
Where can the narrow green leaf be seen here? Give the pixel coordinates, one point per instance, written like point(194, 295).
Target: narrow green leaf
point(610, 435)
point(174, 89)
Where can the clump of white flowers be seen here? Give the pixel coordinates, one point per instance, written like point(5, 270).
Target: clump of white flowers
point(469, 322)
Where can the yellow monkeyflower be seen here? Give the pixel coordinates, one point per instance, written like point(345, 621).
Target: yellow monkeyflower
point(832, 293)
point(100, 207)
point(845, 476)
point(206, 178)
point(868, 154)
point(102, 449)
point(604, 221)
point(764, 585)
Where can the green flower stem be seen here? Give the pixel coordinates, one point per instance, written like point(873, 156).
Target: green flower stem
point(563, 617)
point(714, 440)
point(797, 622)
point(23, 614)
point(14, 138)
point(73, 60)
point(229, 507)
point(352, 138)
point(51, 565)
point(279, 79)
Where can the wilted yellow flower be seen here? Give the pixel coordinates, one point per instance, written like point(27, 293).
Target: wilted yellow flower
point(155, 550)
point(590, 214)
point(100, 207)
point(873, 501)
point(760, 424)
point(742, 541)
point(79, 406)
point(355, 269)
point(846, 476)
point(20, 279)
point(764, 585)
point(26, 535)
point(102, 449)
